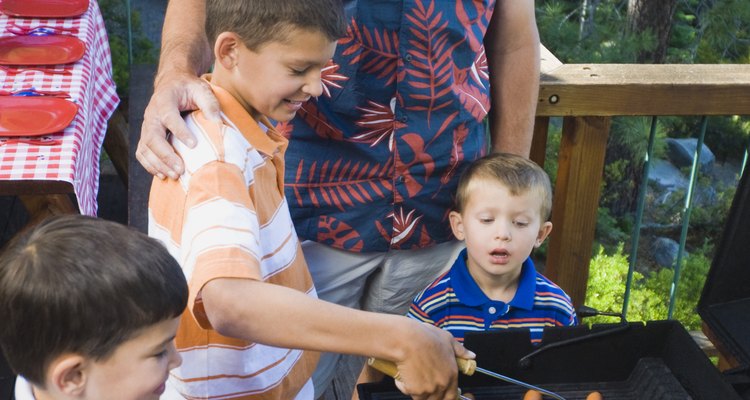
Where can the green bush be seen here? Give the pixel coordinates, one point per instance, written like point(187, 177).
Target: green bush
point(649, 297)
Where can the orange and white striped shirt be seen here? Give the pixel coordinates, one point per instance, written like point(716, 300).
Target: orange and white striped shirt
point(227, 217)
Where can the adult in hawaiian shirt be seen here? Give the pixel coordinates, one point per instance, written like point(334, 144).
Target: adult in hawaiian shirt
point(372, 164)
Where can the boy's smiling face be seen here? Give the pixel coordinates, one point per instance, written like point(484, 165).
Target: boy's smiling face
point(276, 79)
point(500, 230)
point(137, 370)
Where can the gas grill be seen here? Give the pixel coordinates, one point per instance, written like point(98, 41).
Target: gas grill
point(655, 360)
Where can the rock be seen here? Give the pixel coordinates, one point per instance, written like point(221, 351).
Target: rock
point(666, 180)
point(666, 176)
point(680, 152)
point(664, 251)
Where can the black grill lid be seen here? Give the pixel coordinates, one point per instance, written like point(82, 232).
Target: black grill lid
point(725, 302)
point(605, 363)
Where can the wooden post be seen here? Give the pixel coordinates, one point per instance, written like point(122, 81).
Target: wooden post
point(576, 201)
point(539, 141)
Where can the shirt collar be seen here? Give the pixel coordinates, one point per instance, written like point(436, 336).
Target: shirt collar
point(268, 142)
point(23, 389)
point(469, 293)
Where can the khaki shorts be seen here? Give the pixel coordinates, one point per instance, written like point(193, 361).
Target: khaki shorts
point(382, 282)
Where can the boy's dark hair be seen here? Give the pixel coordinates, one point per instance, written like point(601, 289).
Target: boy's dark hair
point(259, 22)
point(77, 284)
point(517, 173)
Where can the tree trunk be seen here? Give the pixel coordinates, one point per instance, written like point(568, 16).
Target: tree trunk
point(654, 16)
point(586, 21)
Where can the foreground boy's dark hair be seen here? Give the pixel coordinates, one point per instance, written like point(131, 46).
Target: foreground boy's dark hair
point(82, 285)
point(259, 22)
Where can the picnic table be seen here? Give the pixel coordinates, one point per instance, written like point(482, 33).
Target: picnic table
point(59, 172)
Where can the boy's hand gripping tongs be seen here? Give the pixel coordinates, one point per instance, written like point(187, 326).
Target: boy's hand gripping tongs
point(466, 367)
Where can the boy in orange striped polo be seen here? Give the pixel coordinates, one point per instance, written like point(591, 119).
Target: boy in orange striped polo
point(253, 323)
point(503, 203)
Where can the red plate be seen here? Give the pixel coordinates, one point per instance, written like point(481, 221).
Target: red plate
point(34, 115)
point(40, 50)
point(44, 8)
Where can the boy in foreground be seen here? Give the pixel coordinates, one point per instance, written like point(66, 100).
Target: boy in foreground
point(503, 203)
point(89, 310)
point(253, 320)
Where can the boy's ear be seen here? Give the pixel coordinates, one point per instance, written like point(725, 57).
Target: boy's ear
point(67, 374)
point(544, 231)
point(225, 49)
point(457, 225)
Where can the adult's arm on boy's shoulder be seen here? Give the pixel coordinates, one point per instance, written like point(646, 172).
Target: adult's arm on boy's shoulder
point(185, 53)
point(313, 324)
point(512, 46)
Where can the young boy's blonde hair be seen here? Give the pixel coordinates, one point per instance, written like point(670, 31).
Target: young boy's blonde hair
point(520, 175)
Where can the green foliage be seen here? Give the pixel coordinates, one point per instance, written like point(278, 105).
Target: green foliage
point(703, 31)
point(727, 137)
point(552, 152)
point(704, 224)
point(726, 33)
point(611, 231)
point(606, 285)
point(688, 290)
point(115, 15)
point(649, 296)
point(605, 40)
point(626, 154)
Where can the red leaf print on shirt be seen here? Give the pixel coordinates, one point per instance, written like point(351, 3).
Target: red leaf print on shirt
point(474, 100)
point(318, 122)
point(378, 49)
point(431, 64)
point(330, 78)
point(457, 154)
point(481, 21)
point(340, 184)
point(380, 122)
point(421, 158)
point(337, 233)
point(404, 225)
point(480, 70)
point(424, 238)
point(284, 129)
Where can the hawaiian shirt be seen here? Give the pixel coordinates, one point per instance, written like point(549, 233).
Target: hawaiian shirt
point(373, 163)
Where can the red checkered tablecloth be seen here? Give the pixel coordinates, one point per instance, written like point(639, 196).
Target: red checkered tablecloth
point(89, 82)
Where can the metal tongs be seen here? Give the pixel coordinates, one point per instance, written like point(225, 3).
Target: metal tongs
point(466, 367)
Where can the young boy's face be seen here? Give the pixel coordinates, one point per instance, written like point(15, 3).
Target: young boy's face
point(277, 79)
point(500, 231)
point(138, 368)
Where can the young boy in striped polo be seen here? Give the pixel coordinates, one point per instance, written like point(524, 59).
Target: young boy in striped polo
point(502, 207)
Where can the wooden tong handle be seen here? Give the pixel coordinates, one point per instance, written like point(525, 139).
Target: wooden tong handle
point(466, 367)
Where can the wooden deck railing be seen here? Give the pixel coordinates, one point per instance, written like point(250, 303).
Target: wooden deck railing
point(587, 96)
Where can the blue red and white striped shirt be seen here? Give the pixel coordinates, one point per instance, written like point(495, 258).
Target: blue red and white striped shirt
point(456, 303)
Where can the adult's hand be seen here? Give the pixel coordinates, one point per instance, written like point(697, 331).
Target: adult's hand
point(430, 371)
point(174, 92)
